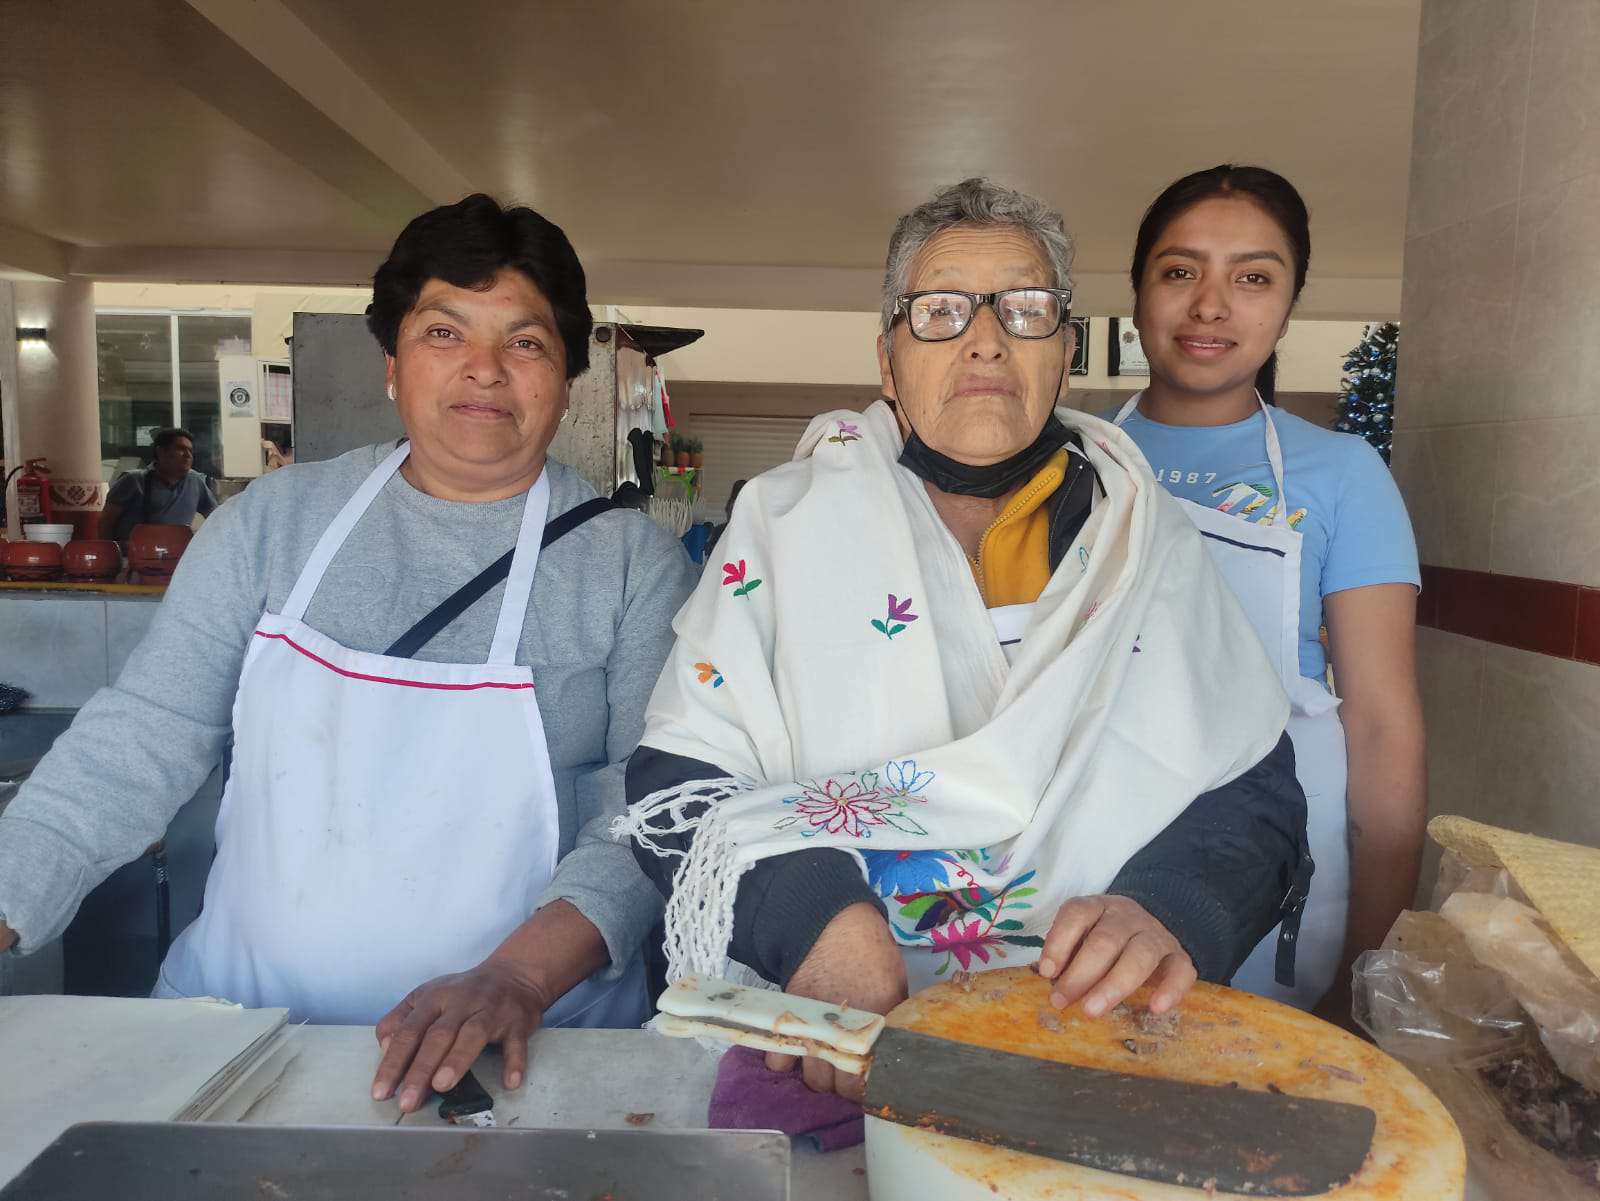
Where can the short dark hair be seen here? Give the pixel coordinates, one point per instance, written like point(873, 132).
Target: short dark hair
point(165, 438)
point(466, 244)
point(1275, 195)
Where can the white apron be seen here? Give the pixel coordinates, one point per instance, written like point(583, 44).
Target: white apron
point(1262, 566)
point(386, 821)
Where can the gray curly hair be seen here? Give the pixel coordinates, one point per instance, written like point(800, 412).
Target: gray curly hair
point(975, 201)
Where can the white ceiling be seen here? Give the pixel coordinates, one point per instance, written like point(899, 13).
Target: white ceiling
point(708, 152)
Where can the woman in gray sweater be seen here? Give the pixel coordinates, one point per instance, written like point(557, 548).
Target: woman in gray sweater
point(412, 833)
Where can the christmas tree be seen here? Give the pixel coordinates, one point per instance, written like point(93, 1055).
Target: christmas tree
point(1366, 406)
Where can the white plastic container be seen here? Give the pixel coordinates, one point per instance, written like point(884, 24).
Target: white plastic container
point(41, 531)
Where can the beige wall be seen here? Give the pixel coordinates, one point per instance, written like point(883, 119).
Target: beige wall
point(56, 410)
point(1498, 406)
point(272, 310)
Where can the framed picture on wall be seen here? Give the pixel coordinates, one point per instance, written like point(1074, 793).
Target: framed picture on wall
point(1080, 355)
point(1125, 353)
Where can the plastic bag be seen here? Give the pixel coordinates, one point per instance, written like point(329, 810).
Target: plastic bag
point(1424, 998)
point(1503, 1022)
point(1561, 997)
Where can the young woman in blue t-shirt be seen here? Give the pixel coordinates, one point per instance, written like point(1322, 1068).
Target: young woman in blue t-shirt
point(1309, 528)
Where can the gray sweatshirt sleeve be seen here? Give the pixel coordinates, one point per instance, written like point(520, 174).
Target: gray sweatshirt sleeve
point(140, 748)
point(600, 877)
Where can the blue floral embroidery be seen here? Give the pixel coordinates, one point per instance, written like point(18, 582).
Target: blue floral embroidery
point(894, 873)
point(904, 781)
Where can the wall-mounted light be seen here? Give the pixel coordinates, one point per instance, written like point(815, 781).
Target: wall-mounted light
point(32, 335)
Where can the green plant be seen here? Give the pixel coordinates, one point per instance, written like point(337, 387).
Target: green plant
point(680, 444)
point(696, 446)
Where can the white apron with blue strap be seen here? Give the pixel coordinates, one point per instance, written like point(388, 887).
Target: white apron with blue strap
point(1261, 562)
point(386, 820)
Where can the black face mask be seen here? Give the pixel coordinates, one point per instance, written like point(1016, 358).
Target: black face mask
point(995, 479)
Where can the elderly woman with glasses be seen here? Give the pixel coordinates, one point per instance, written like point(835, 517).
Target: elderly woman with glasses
point(966, 691)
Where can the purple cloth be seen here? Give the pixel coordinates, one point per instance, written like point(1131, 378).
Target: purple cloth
point(747, 1096)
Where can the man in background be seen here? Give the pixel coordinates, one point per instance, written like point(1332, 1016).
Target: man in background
point(169, 492)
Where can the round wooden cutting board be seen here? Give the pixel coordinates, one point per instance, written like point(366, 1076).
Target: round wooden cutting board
point(1219, 1037)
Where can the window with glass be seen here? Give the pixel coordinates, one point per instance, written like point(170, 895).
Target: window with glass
point(159, 370)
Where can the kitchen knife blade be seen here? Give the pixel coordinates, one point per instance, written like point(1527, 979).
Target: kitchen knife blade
point(1237, 1140)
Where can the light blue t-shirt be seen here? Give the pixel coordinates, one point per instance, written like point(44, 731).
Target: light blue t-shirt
point(1342, 499)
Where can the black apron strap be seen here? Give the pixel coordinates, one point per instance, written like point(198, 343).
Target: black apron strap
point(1293, 907)
point(464, 597)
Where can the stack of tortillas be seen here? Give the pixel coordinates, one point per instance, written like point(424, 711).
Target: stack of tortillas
point(1560, 879)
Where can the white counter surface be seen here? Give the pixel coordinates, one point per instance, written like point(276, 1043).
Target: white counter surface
point(583, 1079)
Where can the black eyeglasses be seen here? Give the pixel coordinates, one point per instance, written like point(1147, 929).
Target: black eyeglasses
point(1023, 312)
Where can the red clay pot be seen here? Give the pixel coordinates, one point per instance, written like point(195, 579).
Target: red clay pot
point(154, 550)
point(91, 560)
point(31, 560)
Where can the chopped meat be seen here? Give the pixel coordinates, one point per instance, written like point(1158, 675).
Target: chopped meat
point(1162, 1025)
point(995, 994)
point(1550, 1109)
point(1049, 1021)
point(1141, 1046)
point(962, 980)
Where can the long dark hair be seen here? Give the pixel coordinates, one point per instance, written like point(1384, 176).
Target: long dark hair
point(1275, 194)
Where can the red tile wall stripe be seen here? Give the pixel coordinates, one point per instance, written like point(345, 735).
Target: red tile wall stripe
point(1546, 616)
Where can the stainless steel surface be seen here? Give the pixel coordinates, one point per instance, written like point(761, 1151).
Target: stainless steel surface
point(162, 1161)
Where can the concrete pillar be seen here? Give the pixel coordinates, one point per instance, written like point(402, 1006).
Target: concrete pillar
point(57, 405)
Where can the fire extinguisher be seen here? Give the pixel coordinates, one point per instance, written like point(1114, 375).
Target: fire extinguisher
point(33, 494)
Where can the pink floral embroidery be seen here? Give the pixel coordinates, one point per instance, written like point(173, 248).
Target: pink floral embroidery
point(736, 575)
point(845, 807)
point(847, 432)
point(966, 942)
point(899, 616)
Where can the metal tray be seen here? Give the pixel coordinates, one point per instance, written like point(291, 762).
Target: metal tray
point(173, 1161)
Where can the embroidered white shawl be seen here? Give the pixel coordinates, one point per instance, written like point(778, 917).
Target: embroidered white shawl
point(838, 662)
